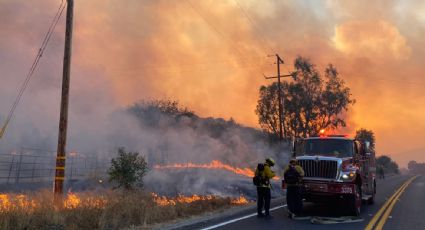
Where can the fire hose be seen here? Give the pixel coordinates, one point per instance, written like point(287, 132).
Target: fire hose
point(335, 220)
point(330, 220)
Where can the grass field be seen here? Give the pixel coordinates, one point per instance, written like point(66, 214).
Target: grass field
point(106, 210)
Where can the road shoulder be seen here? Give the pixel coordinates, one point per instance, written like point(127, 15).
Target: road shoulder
point(212, 218)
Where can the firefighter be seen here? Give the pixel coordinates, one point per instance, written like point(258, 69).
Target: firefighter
point(293, 175)
point(380, 171)
point(263, 189)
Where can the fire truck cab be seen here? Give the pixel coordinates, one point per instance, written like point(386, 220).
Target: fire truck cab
point(338, 168)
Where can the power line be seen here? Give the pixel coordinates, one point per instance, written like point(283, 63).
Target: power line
point(352, 78)
point(194, 67)
point(239, 53)
point(212, 26)
point(179, 71)
point(258, 34)
point(421, 84)
point(34, 65)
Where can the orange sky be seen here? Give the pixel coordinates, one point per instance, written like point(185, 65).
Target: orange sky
point(210, 55)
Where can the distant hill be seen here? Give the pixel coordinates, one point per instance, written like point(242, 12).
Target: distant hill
point(172, 134)
point(184, 136)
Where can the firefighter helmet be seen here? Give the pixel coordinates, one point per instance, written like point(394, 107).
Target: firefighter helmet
point(270, 161)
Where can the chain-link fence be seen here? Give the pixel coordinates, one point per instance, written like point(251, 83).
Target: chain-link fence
point(29, 165)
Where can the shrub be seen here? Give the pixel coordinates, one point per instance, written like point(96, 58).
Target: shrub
point(127, 170)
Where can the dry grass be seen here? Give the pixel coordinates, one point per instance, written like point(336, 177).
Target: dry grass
point(110, 210)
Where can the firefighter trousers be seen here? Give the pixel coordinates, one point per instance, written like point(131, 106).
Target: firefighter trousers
point(294, 199)
point(263, 200)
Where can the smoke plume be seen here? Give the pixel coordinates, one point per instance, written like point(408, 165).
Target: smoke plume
point(210, 56)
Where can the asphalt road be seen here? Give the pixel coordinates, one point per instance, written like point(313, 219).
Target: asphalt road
point(407, 211)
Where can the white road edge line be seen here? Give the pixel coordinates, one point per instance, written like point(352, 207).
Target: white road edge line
point(240, 218)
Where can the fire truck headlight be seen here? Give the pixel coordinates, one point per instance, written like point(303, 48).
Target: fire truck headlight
point(348, 176)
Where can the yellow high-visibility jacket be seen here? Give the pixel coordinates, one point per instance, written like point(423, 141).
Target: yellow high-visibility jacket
point(266, 173)
point(299, 169)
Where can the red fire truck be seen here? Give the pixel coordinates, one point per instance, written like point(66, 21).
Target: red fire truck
point(337, 167)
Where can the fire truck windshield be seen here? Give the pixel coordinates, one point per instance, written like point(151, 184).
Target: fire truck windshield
point(325, 147)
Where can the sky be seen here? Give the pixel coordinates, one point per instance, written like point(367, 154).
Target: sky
point(211, 55)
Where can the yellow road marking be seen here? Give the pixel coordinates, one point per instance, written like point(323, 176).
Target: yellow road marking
point(390, 208)
point(387, 203)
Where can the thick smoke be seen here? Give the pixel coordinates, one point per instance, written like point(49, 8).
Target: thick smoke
point(210, 57)
point(180, 137)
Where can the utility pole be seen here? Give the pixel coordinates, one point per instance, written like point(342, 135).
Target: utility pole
point(63, 120)
point(279, 94)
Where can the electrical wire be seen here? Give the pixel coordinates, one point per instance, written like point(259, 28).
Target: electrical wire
point(411, 83)
point(212, 26)
point(192, 68)
point(396, 83)
point(238, 51)
point(265, 41)
point(34, 65)
point(258, 34)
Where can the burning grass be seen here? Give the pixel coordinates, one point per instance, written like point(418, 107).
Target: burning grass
point(109, 210)
point(213, 165)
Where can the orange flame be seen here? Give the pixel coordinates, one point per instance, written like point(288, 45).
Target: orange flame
point(240, 200)
point(10, 202)
point(166, 201)
point(215, 164)
point(4, 202)
point(162, 200)
point(72, 201)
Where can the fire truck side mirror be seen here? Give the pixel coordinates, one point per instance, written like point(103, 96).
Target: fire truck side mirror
point(295, 145)
point(367, 146)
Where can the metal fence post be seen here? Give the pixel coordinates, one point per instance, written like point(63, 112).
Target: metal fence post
point(33, 169)
point(18, 174)
point(10, 169)
point(72, 167)
point(95, 168)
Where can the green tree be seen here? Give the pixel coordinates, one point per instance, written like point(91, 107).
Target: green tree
point(366, 135)
point(268, 109)
point(311, 102)
point(127, 170)
point(387, 164)
point(415, 167)
point(153, 113)
point(412, 165)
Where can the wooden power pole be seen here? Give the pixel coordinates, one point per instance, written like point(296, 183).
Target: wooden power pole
point(279, 94)
point(63, 120)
